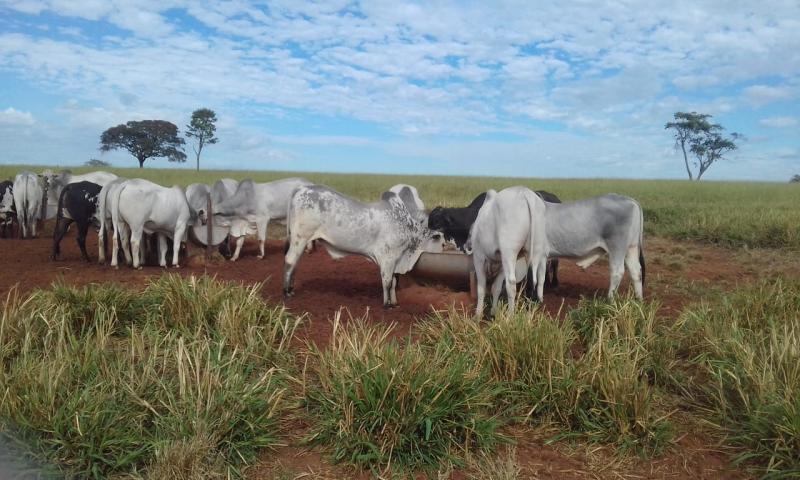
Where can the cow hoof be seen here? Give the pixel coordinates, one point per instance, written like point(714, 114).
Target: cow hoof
point(389, 306)
point(176, 266)
point(288, 293)
point(259, 257)
point(138, 268)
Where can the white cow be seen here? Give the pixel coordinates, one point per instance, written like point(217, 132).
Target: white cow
point(106, 201)
point(57, 181)
point(385, 232)
point(585, 229)
point(510, 224)
point(409, 195)
point(146, 207)
point(251, 208)
point(7, 212)
point(28, 201)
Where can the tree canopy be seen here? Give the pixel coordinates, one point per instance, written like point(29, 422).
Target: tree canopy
point(203, 128)
point(705, 140)
point(795, 179)
point(145, 139)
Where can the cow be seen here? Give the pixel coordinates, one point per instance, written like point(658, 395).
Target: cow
point(8, 213)
point(384, 232)
point(57, 181)
point(510, 224)
point(455, 223)
point(409, 195)
point(146, 207)
point(77, 203)
point(251, 208)
point(28, 201)
point(106, 200)
point(585, 229)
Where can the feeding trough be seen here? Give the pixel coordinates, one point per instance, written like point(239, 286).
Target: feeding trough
point(453, 268)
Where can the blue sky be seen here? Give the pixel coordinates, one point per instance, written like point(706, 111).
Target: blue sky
point(534, 89)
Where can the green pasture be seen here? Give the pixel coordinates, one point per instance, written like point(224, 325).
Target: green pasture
point(735, 214)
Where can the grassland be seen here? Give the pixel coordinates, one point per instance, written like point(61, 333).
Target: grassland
point(191, 378)
point(734, 214)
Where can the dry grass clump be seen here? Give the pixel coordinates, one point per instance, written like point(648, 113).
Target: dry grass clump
point(95, 384)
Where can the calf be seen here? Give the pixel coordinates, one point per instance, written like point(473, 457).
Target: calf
point(384, 231)
point(77, 203)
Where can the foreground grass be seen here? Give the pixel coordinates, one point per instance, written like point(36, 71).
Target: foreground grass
point(736, 214)
point(100, 381)
point(192, 377)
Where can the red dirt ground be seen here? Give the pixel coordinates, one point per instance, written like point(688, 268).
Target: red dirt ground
point(323, 286)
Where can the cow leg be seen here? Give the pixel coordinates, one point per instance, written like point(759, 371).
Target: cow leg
point(387, 281)
point(83, 229)
point(33, 225)
point(509, 261)
point(480, 279)
point(552, 266)
point(176, 246)
point(634, 270)
point(392, 291)
point(58, 234)
point(136, 248)
point(101, 245)
point(293, 254)
point(616, 266)
point(497, 288)
point(162, 250)
point(261, 226)
point(239, 243)
point(541, 274)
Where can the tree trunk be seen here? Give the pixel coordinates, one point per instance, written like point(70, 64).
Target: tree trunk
point(198, 161)
point(686, 161)
point(141, 162)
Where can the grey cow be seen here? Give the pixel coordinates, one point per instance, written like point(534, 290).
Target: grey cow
point(384, 231)
point(585, 229)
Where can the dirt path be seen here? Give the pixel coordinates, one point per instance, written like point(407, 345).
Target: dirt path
point(676, 274)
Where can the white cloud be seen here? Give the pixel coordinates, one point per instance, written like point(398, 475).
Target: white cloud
point(12, 116)
point(759, 95)
point(779, 122)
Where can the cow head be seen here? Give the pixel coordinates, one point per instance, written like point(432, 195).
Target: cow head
point(432, 241)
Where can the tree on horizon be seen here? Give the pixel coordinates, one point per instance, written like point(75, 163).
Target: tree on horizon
point(145, 139)
point(705, 140)
point(203, 128)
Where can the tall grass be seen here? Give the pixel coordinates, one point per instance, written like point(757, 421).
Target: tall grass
point(95, 381)
point(742, 356)
point(736, 214)
point(602, 394)
point(384, 406)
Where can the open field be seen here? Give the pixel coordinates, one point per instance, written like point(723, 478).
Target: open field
point(147, 375)
point(740, 214)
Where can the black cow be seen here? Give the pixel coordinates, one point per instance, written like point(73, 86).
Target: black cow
point(455, 224)
point(77, 203)
point(8, 213)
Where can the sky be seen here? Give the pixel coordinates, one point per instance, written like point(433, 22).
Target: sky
point(528, 88)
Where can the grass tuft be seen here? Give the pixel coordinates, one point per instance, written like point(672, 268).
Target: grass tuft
point(384, 406)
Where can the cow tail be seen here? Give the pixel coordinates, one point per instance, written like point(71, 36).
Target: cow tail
point(531, 244)
point(59, 207)
point(641, 242)
point(25, 204)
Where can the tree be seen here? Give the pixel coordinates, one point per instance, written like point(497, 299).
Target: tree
point(704, 139)
point(203, 128)
point(96, 162)
point(795, 179)
point(145, 139)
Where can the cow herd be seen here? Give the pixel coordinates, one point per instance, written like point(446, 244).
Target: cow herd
point(512, 234)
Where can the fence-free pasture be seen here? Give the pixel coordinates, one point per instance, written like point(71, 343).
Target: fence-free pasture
point(738, 214)
point(171, 377)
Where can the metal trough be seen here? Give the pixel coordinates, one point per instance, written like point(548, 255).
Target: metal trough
point(454, 269)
